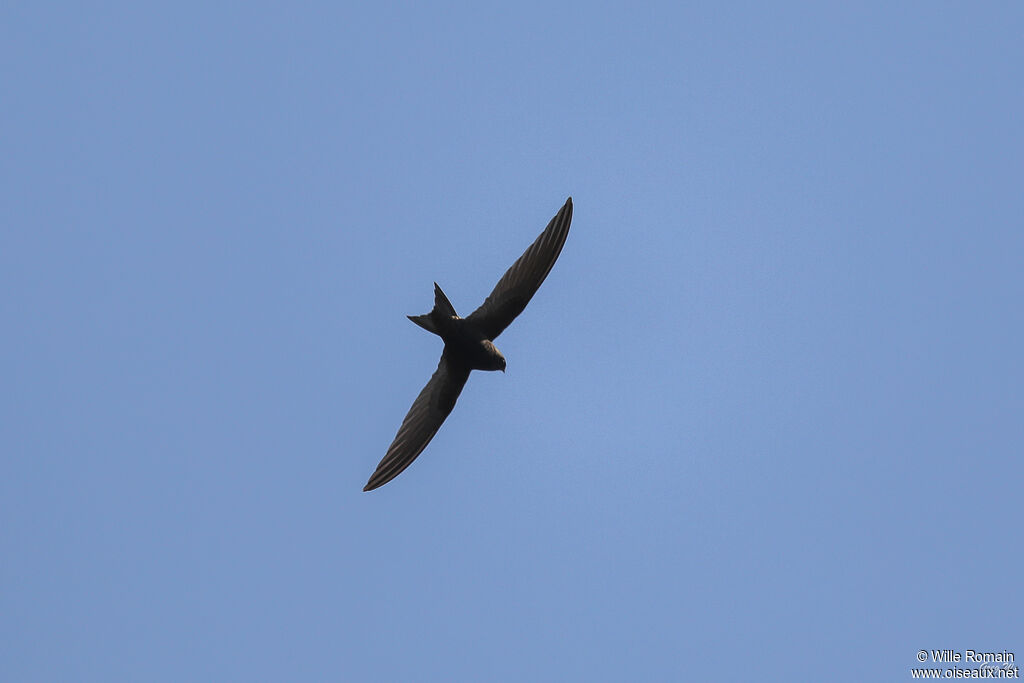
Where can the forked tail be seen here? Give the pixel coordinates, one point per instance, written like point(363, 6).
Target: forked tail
point(442, 309)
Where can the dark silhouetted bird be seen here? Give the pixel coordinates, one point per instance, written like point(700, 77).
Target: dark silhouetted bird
point(468, 345)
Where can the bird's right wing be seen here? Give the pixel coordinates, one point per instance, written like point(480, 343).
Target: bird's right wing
point(426, 416)
point(520, 282)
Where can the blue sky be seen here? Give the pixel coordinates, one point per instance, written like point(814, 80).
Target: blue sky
point(762, 421)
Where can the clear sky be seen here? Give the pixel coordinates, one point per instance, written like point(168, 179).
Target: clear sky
point(763, 421)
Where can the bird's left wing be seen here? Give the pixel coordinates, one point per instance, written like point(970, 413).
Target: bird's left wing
point(520, 282)
point(426, 416)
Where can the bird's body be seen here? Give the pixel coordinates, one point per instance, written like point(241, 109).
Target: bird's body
point(472, 350)
point(462, 339)
point(469, 345)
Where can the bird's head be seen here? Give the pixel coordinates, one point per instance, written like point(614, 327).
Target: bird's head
point(495, 361)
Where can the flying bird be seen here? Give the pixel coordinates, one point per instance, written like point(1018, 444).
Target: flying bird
point(469, 345)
